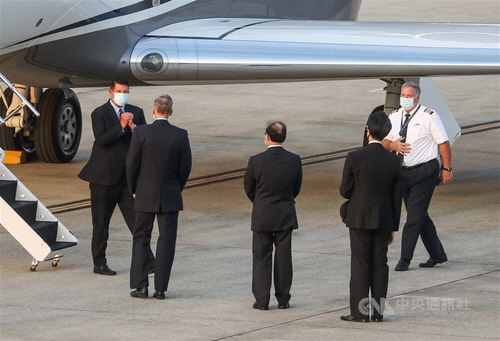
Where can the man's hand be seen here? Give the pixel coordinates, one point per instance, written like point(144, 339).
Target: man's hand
point(391, 240)
point(401, 147)
point(133, 195)
point(446, 177)
point(125, 118)
point(131, 124)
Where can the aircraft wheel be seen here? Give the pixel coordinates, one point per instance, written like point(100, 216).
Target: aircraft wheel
point(59, 128)
point(55, 262)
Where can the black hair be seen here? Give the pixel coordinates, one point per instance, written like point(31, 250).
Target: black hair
point(379, 125)
point(276, 131)
point(121, 81)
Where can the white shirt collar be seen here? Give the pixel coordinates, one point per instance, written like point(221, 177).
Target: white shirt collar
point(374, 142)
point(275, 145)
point(161, 119)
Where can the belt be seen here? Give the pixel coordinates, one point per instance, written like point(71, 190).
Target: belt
point(416, 166)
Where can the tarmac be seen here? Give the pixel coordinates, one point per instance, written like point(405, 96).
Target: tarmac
point(209, 295)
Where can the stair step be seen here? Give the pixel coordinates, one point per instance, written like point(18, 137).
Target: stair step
point(25, 209)
point(8, 190)
point(47, 230)
point(54, 246)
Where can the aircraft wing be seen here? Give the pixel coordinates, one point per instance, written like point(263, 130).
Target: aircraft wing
point(235, 50)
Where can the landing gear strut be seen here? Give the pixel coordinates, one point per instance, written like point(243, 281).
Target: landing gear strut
point(54, 136)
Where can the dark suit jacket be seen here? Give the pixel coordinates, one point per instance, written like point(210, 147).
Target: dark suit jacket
point(107, 160)
point(272, 181)
point(158, 166)
point(372, 179)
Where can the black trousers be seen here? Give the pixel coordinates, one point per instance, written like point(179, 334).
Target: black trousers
point(103, 200)
point(369, 271)
point(417, 194)
point(262, 249)
point(165, 249)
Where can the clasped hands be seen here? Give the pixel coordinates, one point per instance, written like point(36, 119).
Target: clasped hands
point(127, 119)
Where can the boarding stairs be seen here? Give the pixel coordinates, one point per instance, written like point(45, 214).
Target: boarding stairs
point(30, 222)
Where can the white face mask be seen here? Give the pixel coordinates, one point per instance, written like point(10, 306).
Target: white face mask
point(120, 99)
point(406, 103)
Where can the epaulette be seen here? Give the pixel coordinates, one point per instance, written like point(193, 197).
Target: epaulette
point(429, 111)
point(394, 111)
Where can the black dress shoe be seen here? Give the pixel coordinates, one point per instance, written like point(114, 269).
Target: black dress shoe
point(433, 261)
point(377, 318)
point(260, 307)
point(151, 267)
point(160, 295)
point(284, 306)
point(351, 318)
point(140, 293)
point(403, 265)
point(103, 270)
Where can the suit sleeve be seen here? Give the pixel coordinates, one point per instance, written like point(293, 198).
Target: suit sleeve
point(249, 181)
point(104, 135)
point(397, 199)
point(133, 163)
point(298, 183)
point(347, 182)
point(139, 118)
point(185, 162)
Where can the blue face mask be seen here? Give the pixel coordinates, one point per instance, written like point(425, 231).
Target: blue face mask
point(120, 99)
point(406, 103)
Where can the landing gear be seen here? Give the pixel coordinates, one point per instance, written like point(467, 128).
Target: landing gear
point(54, 136)
point(9, 140)
point(58, 129)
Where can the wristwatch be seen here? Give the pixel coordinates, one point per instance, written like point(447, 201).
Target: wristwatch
point(447, 169)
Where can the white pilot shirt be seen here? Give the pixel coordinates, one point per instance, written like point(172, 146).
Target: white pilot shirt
point(425, 132)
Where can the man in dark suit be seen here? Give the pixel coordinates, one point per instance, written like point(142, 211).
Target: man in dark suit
point(158, 167)
point(272, 181)
point(372, 181)
point(112, 124)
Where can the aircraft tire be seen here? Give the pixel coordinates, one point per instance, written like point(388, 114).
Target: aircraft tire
point(59, 128)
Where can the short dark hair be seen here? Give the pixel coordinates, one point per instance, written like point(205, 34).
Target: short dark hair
point(164, 104)
point(379, 125)
point(276, 131)
point(121, 81)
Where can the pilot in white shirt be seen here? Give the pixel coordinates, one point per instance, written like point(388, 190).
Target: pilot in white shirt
point(418, 135)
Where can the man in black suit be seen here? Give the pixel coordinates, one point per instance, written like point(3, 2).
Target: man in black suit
point(112, 124)
point(272, 181)
point(158, 167)
point(372, 181)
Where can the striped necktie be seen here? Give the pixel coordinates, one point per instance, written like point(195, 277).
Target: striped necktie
point(404, 128)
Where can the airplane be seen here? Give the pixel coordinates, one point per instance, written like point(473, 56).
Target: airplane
point(49, 47)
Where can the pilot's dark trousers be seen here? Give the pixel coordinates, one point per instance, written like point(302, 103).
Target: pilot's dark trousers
point(419, 186)
point(262, 249)
point(165, 249)
point(369, 271)
point(103, 201)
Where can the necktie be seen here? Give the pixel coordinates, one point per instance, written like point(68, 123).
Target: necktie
point(120, 112)
point(404, 128)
